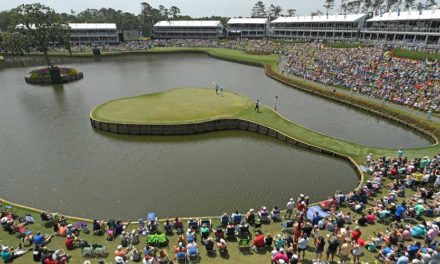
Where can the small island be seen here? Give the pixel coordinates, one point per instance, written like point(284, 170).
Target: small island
point(44, 75)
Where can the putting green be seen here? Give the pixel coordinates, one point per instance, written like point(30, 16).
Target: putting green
point(178, 106)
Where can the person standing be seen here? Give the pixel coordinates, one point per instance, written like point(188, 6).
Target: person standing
point(289, 208)
point(257, 106)
point(221, 90)
point(429, 115)
point(216, 87)
point(400, 153)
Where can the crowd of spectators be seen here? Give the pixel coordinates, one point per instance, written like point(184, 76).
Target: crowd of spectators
point(372, 71)
point(395, 216)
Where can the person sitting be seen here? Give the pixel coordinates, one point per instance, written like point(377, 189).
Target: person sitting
point(71, 242)
point(41, 240)
point(193, 225)
point(204, 231)
point(243, 229)
point(149, 250)
point(152, 227)
point(142, 227)
point(121, 252)
point(8, 254)
point(190, 235)
point(209, 244)
point(268, 240)
point(370, 217)
point(180, 248)
point(180, 251)
point(135, 255)
point(258, 241)
point(178, 225)
point(222, 246)
point(97, 228)
point(133, 238)
point(275, 214)
point(192, 249)
point(124, 239)
point(163, 257)
point(29, 219)
point(250, 217)
point(168, 226)
point(59, 256)
point(236, 218)
point(264, 215)
point(62, 229)
point(46, 216)
point(119, 227)
point(224, 219)
point(219, 233)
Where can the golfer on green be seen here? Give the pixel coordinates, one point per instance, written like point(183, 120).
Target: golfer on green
point(257, 106)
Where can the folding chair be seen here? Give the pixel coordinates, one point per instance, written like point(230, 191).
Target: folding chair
point(181, 257)
point(193, 257)
point(243, 245)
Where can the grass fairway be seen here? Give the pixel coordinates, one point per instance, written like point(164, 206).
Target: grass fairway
point(179, 106)
point(224, 53)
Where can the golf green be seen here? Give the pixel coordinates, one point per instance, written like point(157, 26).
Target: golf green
point(178, 106)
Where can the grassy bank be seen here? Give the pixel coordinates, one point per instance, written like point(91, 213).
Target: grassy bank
point(416, 55)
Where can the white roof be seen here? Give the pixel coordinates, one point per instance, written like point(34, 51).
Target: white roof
point(190, 23)
point(92, 26)
point(248, 21)
point(408, 15)
point(322, 18)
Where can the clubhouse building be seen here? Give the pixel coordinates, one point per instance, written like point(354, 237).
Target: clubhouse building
point(93, 34)
point(247, 27)
point(411, 28)
point(194, 29)
point(323, 27)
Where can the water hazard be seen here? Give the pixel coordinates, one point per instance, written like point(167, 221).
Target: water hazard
point(52, 158)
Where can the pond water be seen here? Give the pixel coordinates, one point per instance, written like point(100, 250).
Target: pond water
point(52, 158)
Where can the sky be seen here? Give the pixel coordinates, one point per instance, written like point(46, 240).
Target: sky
point(194, 8)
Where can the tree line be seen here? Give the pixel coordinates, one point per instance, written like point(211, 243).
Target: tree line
point(144, 21)
point(377, 6)
point(346, 7)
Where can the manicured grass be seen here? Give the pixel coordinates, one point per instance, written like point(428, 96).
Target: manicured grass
point(224, 53)
point(415, 55)
point(177, 106)
point(192, 105)
point(346, 45)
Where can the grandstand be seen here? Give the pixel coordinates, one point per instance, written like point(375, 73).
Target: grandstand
point(325, 27)
point(247, 27)
point(97, 33)
point(196, 29)
point(410, 28)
